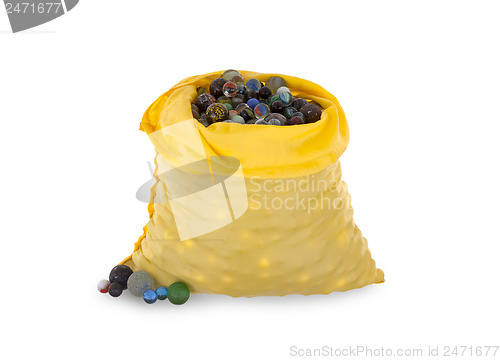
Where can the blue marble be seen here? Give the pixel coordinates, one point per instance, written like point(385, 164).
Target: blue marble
point(261, 111)
point(252, 102)
point(286, 98)
point(253, 84)
point(161, 291)
point(150, 296)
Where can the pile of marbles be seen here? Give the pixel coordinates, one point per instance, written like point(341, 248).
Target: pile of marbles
point(230, 99)
point(141, 284)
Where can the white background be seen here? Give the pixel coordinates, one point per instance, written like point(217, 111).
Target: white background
point(420, 85)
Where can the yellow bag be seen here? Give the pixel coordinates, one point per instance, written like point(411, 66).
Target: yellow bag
point(249, 210)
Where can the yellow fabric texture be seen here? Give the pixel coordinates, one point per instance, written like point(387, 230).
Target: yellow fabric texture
point(312, 246)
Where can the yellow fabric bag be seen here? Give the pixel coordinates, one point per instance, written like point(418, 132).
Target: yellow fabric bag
point(249, 210)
